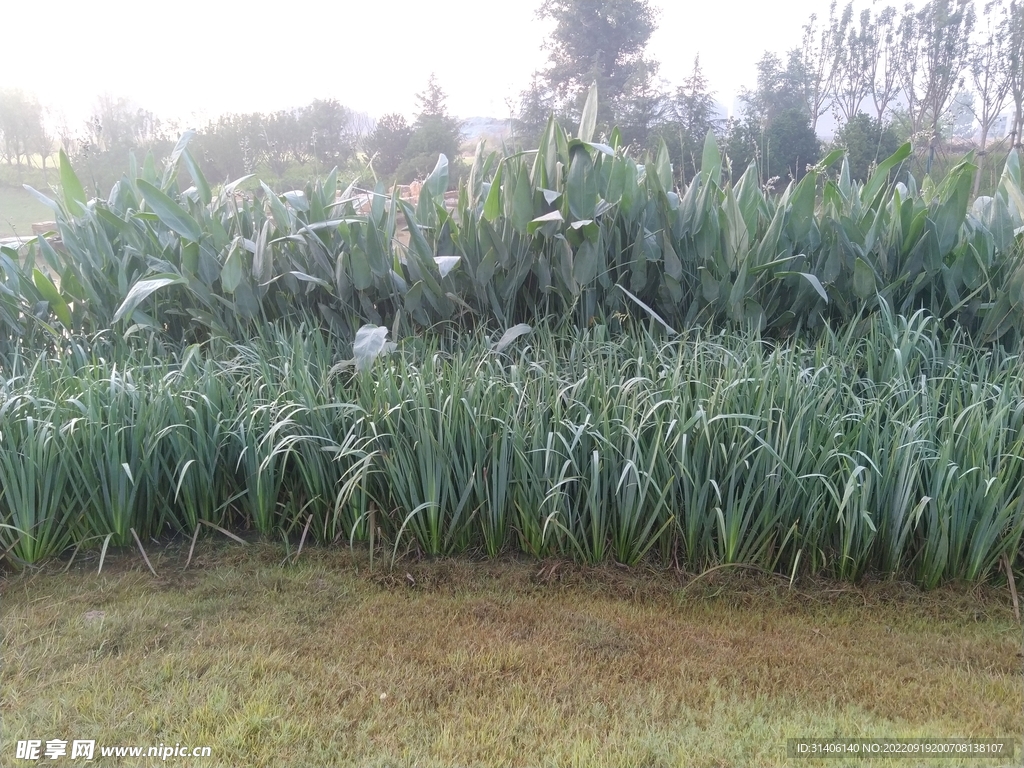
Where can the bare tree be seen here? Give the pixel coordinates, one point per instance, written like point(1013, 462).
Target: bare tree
point(909, 34)
point(1012, 30)
point(853, 81)
point(820, 57)
point(67, 136)
point(990, 76)
point(883, 59)
point(946, 27)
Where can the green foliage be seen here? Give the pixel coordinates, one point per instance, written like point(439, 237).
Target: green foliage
point(403, 153)
point(386, 145)
point(789, 146)
point(776, 130)
point(557, 232)
point(694, 113)
point(600, 42)
point(891, 448)
point(22, 129)
point(431, 135)
point(867, 142)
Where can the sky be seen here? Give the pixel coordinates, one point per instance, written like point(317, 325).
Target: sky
point(194, 59)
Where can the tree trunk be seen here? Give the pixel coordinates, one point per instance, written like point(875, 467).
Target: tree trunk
point(1018, 124)
point(981, 160)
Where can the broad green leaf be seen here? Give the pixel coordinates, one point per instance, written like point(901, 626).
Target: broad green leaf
point(310, 279)
point(297, 199)
point(581, 186)
point(171, 167)
point(446, 264)
point(588, 122)
point(711, 162)
point(233, 271)
point(586, 263)
point(263, 256)
point(509, 336)
point(549, 224)
point(363, 276)
point(74, 194)
point(664, 167)
point(229, 189)
point(171, 215)
point(492, 206)
point(190, 258)
point(673, 266)
point(649, 311)
point(522, 201)
point(816, 284)
point(880, 177)
point(863, 279)
point(437, 182)
point(49, 292)
point(832, 157)
point(149, 169)
point(142, 290)
point(51, 204)
point(488, 264)
point(371, 342)
point(282, 217)
point(205, 194)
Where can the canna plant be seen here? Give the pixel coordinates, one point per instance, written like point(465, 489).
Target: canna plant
point(579, 228)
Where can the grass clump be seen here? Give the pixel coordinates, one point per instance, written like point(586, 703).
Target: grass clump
point(897, 451)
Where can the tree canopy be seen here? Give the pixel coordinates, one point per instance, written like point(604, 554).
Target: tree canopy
point(600, 41)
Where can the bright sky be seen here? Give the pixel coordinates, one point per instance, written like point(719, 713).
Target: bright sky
point(190, 59)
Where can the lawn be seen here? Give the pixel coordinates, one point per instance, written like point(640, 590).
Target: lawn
point(19, 211)
point(456, 662)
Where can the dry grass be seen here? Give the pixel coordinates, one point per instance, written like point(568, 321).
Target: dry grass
point(496, 663)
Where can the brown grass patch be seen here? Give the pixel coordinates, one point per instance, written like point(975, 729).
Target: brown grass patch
point(491, 663)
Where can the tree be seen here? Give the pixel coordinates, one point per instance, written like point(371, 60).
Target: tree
point(387, 142)
point(883, 58)
point(643, 106)
point(598, 41)
point(233, 146)
point(281, 142)
point(867, 141)
point(432, 100)
point(118, 125)
point(22, 132)
point(327, 126)
point(910, 65)
point(820, 57)
point(536, 104)
point(1012, 31)
point(789, 146)
point(946, 27)
point(779, 89)
point(854, 75)
point(40, 140)
point(776, 129)
point(991, 78)
point(958, 120)
point(695, 113)
point(434, 133)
